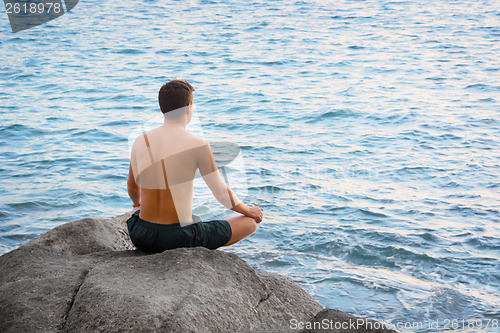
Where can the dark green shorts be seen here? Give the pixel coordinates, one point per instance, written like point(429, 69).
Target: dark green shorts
point(156, 237)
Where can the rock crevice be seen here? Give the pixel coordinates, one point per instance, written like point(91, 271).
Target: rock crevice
point(70, 305)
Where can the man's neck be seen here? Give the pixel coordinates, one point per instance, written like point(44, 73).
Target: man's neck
point(177, 124)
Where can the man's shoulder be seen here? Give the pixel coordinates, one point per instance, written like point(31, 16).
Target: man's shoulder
point(199, 141)
point(139, 139)
point(157, 140)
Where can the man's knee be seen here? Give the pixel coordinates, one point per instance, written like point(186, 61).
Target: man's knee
point(252, 226)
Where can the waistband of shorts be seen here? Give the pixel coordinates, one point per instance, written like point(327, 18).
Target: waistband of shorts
point(161, 226)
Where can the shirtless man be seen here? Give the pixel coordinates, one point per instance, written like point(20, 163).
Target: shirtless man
point(163, 166)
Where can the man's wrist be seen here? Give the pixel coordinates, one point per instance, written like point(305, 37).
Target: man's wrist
point(241, 208)
point(246, 209)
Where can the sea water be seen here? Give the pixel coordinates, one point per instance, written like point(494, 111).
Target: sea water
point(369, 132)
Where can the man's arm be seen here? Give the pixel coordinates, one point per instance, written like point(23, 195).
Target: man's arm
point(133, 189)
point(222, 192)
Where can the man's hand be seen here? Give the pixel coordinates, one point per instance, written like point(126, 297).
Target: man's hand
point(135, 209)
point(256, 213)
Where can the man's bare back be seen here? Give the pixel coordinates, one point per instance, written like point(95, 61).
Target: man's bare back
point(163, 165)
point(164, 162)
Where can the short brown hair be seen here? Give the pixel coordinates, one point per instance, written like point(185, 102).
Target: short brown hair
point(174, 95)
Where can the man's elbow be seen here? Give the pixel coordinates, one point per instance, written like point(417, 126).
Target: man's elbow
point(220, 191)
point(132, 188)
point(224, 196)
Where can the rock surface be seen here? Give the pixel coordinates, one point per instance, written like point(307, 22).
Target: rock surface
point(86, 276)
point(88, 236)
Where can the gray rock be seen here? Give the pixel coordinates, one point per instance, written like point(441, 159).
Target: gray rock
point(37, 288)
point(38, 285)
point(184, 290)
point(86, 276)
point(88, 236)
point(81, 277)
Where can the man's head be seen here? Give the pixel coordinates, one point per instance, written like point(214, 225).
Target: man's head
point(174, 95)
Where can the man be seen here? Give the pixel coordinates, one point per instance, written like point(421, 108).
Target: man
point(163, 166)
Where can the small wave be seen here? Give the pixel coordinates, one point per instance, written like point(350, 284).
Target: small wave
point(418, 212)
point(413, 133)
point(449, 136)
point(465, 211)
point(323, 210)
point(91, 135)
point(274, 62)
point(436, 78)
point(48, 163)
point(483, 242)
point(19, 237)
point(418, 170)
point(482, 86)
point(47, 86)
point(20, 131)
point(28, 205)
point(166, 51)
point(340, 17)
point(119, 97)
point(24, 76)
point(451, 184)
point(447, 301)
point(215, 100)
point(332, 114)
point(119, 123)
point(129, 51)
point(266, 188)
point(59, 119)
point(486, 100)
point(370, 213)
point(427, 236)
point(332, 247)
point(257, 26)
point(374, 254)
